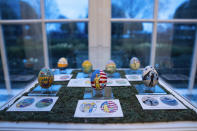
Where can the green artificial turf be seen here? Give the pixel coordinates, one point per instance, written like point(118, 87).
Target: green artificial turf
point(64, 109)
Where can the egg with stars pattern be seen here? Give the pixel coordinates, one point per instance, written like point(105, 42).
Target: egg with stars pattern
point(150, 76)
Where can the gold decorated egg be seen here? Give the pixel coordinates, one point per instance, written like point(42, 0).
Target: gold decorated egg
point(110, 67)
point(134, 63)
point(87, 67)
point(62, 63)
point(45, 78)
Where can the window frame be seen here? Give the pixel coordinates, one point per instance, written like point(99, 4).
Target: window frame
point(97, 42)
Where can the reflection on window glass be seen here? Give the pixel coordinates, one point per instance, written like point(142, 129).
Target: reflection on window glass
point(1, 74)
point(139, 9)
point(3, 92)
point(129, 40)
point(175, 44)
point(192, 96)
point(20, 9)
point(177, 9)
point(24, 53)
point(68, 40)
point(66, 9)
point(4, 96)
point(174, 54)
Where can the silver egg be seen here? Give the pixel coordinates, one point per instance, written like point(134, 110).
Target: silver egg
point(150, 76)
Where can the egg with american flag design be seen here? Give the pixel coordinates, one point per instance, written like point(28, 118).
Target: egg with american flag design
point(98, 80)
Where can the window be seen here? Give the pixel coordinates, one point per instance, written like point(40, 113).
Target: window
point(67, 39)
point(137, 9)
point(131, 39)
point(17, 9)
point(160, 33)
point(37, 33)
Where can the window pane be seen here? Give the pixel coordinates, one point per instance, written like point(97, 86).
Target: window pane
point(177, 9)
point(1, 74)
point(129, 40)
point(66, 9)
point(20, 9)
point(68, 40)
point(175, 44)
point(3, 92)
point(174, 54)
point(192, 97)
point(24, 53)
point(139, 9)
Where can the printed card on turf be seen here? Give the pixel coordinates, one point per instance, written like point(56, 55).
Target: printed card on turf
point(30, 103)
point(135, 77)
point(155, 102)
point(82, 82)
point(98, 108)
point(85, 82)
point(62, 77)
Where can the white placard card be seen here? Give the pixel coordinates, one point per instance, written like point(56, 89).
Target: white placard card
point(62, 77)
point(98, 108)
point(85, 82)
point(82, 82)
point(134, 77)
point(155, 102)
point(117, 82)
point(30, 103)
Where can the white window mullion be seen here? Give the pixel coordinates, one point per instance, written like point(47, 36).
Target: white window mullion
point(44, 35)
point(154, 35)
point(99, 32)
point(193, 67)
point(4, 62)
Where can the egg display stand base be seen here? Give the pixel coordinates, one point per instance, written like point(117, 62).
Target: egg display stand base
point(100, 95)
point(129, 72)
point(83, 75)
point(114, 75)
point(65, 71)
point(39, 91)
point(142, 89)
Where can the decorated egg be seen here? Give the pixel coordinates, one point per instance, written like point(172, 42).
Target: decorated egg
point(134, 63)
point(45, 78)
point(150, 76)
point(110, 67)
point(87, 67)
point(98, 79)
point(62, 63)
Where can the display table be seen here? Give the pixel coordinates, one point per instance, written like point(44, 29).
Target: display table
point(61, 115)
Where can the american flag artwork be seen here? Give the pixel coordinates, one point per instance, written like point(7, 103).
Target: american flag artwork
point(98, 79)
point(109, 107)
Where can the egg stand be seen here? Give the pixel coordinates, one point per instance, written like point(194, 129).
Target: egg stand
point(43, 90)
point(62, 70)
point(148, 89)
point(91, 93)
